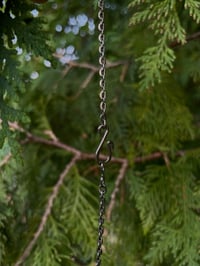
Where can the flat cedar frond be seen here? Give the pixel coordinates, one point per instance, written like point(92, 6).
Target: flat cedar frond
point(163, 19)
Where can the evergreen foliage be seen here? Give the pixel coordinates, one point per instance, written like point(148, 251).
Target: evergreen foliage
point(17, 25)
point(162, 17)
point(49, 198)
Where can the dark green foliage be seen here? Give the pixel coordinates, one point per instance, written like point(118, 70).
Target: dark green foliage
point(17, 24)
point(153, 115)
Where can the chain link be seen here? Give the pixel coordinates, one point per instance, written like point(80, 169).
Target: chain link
point(103, 127)
point(102, 62)
point(103, 130)
point(102, 192)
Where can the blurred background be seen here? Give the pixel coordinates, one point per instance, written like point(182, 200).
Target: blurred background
point(49, 110)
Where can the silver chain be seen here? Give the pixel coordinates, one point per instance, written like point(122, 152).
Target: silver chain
point(103, 130)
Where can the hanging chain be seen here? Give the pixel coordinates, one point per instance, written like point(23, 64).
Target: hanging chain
point(103, 130)
point(102, 191)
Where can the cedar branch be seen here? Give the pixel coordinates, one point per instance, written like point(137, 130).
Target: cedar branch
point(47, 211)
point(77, 156)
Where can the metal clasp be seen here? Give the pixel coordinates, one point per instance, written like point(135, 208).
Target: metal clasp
point(110, 147)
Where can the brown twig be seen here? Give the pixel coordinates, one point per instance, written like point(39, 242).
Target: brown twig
point(66, 70)
point(88, 156)
point(93, 70)
point(56, 143)
point(83, 65)
point(93, 168)
point(166, 159)
point(189, 38)
point(118, 181)
point(5, 159)
point(150, 157)
point(83, 86)
point(96, 68)
point(92, 67)
point(47, 211)
point(124, 72)
point(87, 80)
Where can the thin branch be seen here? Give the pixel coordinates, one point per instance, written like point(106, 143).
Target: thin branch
point(150, 157)
point(87, 80)
point(87, 156)
point(47, 211)
point(193, 36)
point(189, 38)
point(118, 181)
point(92, 67)
point(50, 134)
point(117, 63)
point(83, 86)
point(93, 168)
point(56, 143)
point(5, 159)
point(166, 159)
point(93, 70)
point(82, 155)
point(66, 71)
point(83, 65)
point(96, 68)
point(124, 72)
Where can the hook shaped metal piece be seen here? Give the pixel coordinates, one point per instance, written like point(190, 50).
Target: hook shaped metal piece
point(110, 147)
